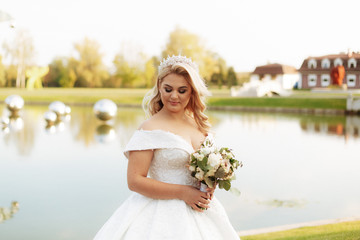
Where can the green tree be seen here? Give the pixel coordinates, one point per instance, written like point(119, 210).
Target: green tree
point(57, 70)
point(150, 71)
point(231, 77)
point(217, 79)
point(21, 52)
point(243, 77)
point(188, 44)
point(10, 75)
point(219, 75)
point(2, 73)
point(127, 74)
point(61, 73)
point(88, 68)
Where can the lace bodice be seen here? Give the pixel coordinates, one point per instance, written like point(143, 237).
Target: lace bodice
point(171, 155)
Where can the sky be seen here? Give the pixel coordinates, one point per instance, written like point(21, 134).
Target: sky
point(246, 33)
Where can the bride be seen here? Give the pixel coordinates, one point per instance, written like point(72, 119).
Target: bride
point(166, 203)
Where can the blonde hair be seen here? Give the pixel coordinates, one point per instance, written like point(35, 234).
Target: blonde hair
point(196, 107)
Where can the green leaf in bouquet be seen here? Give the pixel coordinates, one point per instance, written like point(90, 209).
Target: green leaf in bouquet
point(205, 160)
point(221, 184)
point(234, 161)
point(235, 191)
point(201, 165)
point(220, 173)
point(225, 184)
point(209, 182)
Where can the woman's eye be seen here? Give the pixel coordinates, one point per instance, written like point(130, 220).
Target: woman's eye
point(182, 91)
point(167, 90)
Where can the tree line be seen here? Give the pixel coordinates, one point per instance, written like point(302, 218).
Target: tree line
point(87, 68)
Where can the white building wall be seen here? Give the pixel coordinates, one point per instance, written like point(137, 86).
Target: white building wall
point(254, 77)
point(300, 81)
point(289, 80)
point(267, 77)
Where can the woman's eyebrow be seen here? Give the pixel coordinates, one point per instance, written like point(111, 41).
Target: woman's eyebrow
point(167, 85)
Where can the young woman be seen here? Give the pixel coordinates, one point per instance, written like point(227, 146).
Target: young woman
point(167, 203)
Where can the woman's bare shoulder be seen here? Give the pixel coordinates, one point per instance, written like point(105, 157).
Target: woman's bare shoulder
point(151, 124)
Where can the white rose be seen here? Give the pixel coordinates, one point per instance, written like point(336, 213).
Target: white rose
point(200, 174)
point(214, 160)
point(199, 156)
point(226, 166)
point(206, 150)
point(196, 155)
point(192, 168)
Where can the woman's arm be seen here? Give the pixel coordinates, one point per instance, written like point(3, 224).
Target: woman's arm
point(138, 167)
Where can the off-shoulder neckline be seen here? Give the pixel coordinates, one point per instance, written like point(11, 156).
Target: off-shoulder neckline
point(175, 135)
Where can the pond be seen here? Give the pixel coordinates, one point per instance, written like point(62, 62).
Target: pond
point(64, 182)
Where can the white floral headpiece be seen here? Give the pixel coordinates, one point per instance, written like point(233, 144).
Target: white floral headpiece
point(177, 59)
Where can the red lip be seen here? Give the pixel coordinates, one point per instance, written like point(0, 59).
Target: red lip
point(173, 103)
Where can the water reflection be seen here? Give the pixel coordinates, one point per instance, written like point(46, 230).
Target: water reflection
point(105, 133)
point(7, 213)
point(346, 126)
point(19, 127)
point(283, 203)
point(282, 167)
point(55, 127)
point(89, 130)
point(12, 121)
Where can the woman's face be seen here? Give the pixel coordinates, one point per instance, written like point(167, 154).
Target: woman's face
point(175, 92)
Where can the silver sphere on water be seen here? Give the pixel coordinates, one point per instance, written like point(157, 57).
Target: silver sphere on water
point(105, 109)
point(67, 110)
point(14, 103)
point(50, 117)
point(58, 108)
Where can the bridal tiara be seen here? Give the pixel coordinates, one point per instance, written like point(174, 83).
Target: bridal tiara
point(177, 59)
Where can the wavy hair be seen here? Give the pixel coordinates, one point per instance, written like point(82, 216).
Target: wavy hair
point(196, 107)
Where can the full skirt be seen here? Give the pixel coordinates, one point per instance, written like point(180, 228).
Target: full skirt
point(142, 218)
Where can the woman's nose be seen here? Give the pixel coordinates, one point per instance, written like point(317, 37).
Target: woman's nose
point(174, 95)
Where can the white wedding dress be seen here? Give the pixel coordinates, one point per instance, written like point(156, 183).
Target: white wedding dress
point(142, 218)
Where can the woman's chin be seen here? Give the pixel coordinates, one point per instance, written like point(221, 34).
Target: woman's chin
point(175, 108)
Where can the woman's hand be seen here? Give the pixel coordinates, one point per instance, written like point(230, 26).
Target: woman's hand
point(210, 192)
point(195, 198)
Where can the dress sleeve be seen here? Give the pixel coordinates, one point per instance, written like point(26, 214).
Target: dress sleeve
point(155, 139)
point(140, 141)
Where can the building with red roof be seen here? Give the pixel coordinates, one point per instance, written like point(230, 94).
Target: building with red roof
point(336, 69)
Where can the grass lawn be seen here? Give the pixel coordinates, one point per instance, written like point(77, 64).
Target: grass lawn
point(284, 102)
point(338, 231)
point(77, 95)
point(221, 97)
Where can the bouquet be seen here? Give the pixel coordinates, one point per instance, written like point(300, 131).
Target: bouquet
point(211, 165)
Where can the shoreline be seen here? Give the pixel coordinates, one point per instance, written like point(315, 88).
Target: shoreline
point(307, 111)
point(296, 225)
